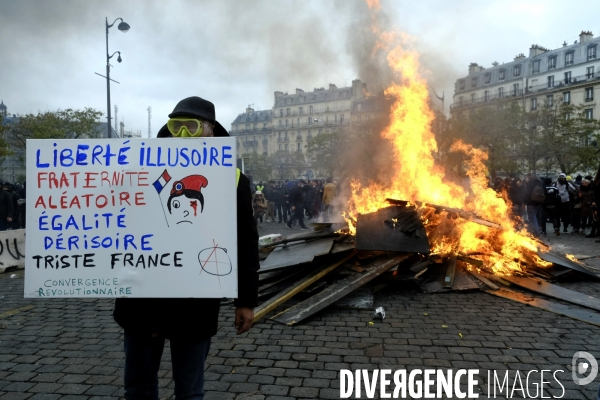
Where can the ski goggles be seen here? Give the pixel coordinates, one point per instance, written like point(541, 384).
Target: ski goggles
point(185, 127)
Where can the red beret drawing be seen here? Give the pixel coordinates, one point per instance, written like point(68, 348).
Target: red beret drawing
point(184, 198)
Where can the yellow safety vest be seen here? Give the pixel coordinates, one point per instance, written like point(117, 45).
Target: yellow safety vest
point(237, 177)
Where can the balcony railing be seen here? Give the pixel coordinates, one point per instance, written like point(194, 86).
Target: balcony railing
point(283, 140)
point(563, 83)
point(298, 138)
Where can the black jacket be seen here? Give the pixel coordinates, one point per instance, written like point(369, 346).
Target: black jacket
point(6, 205)
point(197, 318)
point(297, 196)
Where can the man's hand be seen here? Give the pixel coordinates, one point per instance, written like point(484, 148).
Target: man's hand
point(9, 219)
point(243, 319)
point(293, 208)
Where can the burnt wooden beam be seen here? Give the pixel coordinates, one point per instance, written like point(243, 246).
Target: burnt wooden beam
point(591, 317)
point(450, 270)
point(558, 292)
point(338, 290)
point(296, 288)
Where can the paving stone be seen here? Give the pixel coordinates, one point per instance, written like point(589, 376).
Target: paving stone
point(45, 387)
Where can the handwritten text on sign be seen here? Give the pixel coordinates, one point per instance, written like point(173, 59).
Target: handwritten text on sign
point(135, 218)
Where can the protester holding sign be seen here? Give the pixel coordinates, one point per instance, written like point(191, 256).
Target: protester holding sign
point(188, 323)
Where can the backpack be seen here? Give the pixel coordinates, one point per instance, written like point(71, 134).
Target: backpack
point(551, 197)
point(537, 194)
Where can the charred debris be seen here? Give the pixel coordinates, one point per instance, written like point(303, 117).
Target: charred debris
point(303, 274)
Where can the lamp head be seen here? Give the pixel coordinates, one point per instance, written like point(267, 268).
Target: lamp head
point(123, 26)
point(119, 59)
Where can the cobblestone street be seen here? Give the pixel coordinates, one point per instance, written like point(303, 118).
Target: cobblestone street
point(72, 349)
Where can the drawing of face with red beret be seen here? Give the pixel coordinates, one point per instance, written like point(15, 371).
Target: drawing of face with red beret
point(186, 201)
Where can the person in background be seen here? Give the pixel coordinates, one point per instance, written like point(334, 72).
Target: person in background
point(7, 210)
point(549, 206)
point(515, 195)
point(269, 193)
point(259, 205)
point(533, 188)
point(563, 209)
point(297, 199)
point(14, 196)
point(329, 193)
point(586, 199)
point(281, 202)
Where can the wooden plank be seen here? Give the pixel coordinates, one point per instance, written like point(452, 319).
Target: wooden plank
point(565, 262)
point(450, 271)
point(558, 292)
point(591, 317)
point(341, 288)
point(462, 280)
point(297, 287)
point(483, 279)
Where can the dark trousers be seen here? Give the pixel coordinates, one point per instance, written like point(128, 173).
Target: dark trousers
point(298, 215)
point(563, 213)
point(3, 224)
point(142, 361)
point(532, 223)
point(576, 218)
point(281, 211)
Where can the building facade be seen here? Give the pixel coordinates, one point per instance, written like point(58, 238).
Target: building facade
point(294, 119)
point(568, 74)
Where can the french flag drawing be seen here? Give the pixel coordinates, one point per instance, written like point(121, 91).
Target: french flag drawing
point(159, 185)
point(162, 181)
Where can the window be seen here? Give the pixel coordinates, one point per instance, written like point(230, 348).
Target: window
point(247, 127)
point(516, 70)
point(551, 81)
point(287, 112)
point(589, 72)
point(286, 123)
point(286, 147)
point(534, 104)
point(568, 77)
point(310, 109)
point(589, 113)
point(280, 123)
point(536, 66)
point(461, 84)
point(589, 94)
point(515, 89)
point(487, 78)
point(460, 101)
point(474, 82)
point(341, 118)
point(486, 96)
point(567, 97)
point(300, 111)
point(550, 100)
point(309, 136)
point(569, 58)
point(567, 116)
point(281, 112)
point(472, 98)
point(299, 148)
point(501, 92)
point(310, 121)
point(280, 147)
point(552, 62)
point(591, 53)
point(502, 74)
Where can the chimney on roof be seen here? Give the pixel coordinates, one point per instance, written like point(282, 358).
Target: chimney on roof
point(585, 36)
point(249, 109)
point(536, 50)
point(475, 68)
point(565, 43)
point(299, 91)
point(332, 87)
point(520, 57)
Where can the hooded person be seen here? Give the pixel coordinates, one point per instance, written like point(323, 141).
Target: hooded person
point(188, 323)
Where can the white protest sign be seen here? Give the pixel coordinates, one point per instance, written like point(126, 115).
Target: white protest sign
point(131, 218)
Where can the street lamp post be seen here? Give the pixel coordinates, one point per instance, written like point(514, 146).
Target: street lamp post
point(123, 27)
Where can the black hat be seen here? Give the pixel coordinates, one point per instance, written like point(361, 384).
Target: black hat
point(198, 108)
point(7, 185)
point(302, 181)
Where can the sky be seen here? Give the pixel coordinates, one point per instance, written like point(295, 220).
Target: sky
point(239, 52)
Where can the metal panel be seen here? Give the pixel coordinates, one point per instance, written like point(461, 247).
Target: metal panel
point(591, 317)
point(561, 293)
point(295, 254)
point(341, 288)
point(392, 229)
point(360, 299)
point(462, 279)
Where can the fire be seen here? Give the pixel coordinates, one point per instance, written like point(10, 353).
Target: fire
point(417, 178)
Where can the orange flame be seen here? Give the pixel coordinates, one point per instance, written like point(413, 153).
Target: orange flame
point(417, 177)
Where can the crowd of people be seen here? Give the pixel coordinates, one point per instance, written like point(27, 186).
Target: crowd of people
point(290, 201)
point(566, 202)
point(12, 206)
